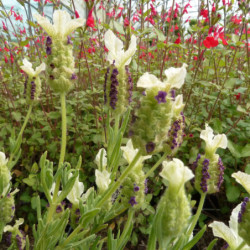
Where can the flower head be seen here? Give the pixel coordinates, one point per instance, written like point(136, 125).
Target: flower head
point(229, 234)
point(213, 142)
point(76, 192)
point(102, 179)
point(27, 68)
point(3, 160)
point(116, 51)
point(129, 153)
point(63, 24)
point(15, 227)
point(176, 173)
point(101, 159)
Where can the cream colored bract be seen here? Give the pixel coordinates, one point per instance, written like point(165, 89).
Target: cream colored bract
point(28, 68)
point(243, 179)
point(62, 25)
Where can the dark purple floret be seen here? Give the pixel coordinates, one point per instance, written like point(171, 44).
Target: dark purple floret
point(63, 203)
point(205, 175)
point(130, 133)
point(51, 77)
point(8, 239)
point(48, 51)
point(105, 85)
point(13, 208)
point(70, 205)
point(113, 88)
point(69, 40)
point(144, 93)
point(74, 76)
point(77, 212)
point(132, 201)
point(136, 188)
point(172, 91)
point(59, 209)
point(52, 65)
point(8, 195)
point(32, 90)
point(225, 247)
point(48, 41)
point(195, 163)
point(161, 97)
point(130, 84)
point(150, 147)
point(19, 242)
point(221, 169)
point(146, 186)
point(243, 209)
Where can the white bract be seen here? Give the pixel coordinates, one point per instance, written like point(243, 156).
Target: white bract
point(102, 179)
point(116, 51)
point(28, 68)
point(243, 179)
point(63, 24)
point(101, 163)
point(229, 234)
point(213, 142)
point(175, 79)
point(176, 76)
point(129, 153)
point(178, 105)
point(9, 228)
point(176, 173)
point(76, 192)
point(3, 160)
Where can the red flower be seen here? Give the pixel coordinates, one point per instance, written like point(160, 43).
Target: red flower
point(5, 59)
point(178, 40)
point(126, 22)
point(77, 14)
point(210, 42)
point(90, 21)
point(204, 13)
point(195, 58)
point(11, 58)
point(4, 26)
point(237, 96)
point(224, 41)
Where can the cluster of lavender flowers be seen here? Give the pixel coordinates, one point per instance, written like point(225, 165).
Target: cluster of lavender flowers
point(130, 84)
point(221, 169)
point(132, 200)
point(113, 88)
point(243, 209)
point(205, 175)
point(48, 45)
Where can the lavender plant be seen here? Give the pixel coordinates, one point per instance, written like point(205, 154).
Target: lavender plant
point(74, 217)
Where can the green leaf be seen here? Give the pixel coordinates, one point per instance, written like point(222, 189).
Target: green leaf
point(160, 35)
point(232, 193)
point(119, 28)
point(211, 245)
point(17, 116)
point(234, 149)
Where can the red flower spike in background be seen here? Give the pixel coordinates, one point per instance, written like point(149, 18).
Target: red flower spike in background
point(210, 42)
point(90, 21)
point(77, 14)
point(237, 96)
point(126, 22)
point(11, 58)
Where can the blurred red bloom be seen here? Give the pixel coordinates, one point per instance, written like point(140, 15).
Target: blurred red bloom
point(11, 58)
point(90, 21)
point(77, 14)
point(126, 22)
point(237, 96)
point(4, 26)
point(204, 13)
point(5, 59)
point(210, 42)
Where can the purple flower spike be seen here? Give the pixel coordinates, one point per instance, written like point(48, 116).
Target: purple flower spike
point(69, 40)
point(242, 209)
point(113, 88)
point(74, 76)
point(150, 147)
point(132, 201)
point(32, 90)
point(130, 84)
point(195, 163)
point(19, 242)
point(205, 175)
point(48, 41)
point(48, 51)
point(146, 186)
point(221, 169)
point(161, 97)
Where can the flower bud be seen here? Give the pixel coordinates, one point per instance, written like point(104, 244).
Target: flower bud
point(243, 220)
point(102, 180)
point(7, 208)
point(173, 211)
point(208, 174)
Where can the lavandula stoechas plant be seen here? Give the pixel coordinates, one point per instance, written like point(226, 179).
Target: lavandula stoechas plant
point(118, 81)
point(174, 210)
point(152, 133)
point(209, 168)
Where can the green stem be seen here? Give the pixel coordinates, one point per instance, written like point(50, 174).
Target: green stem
point(62, 155)
point(21, 133)
point(107, 195)
point(197, 215)
point(157, 164)
point(64, 129)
